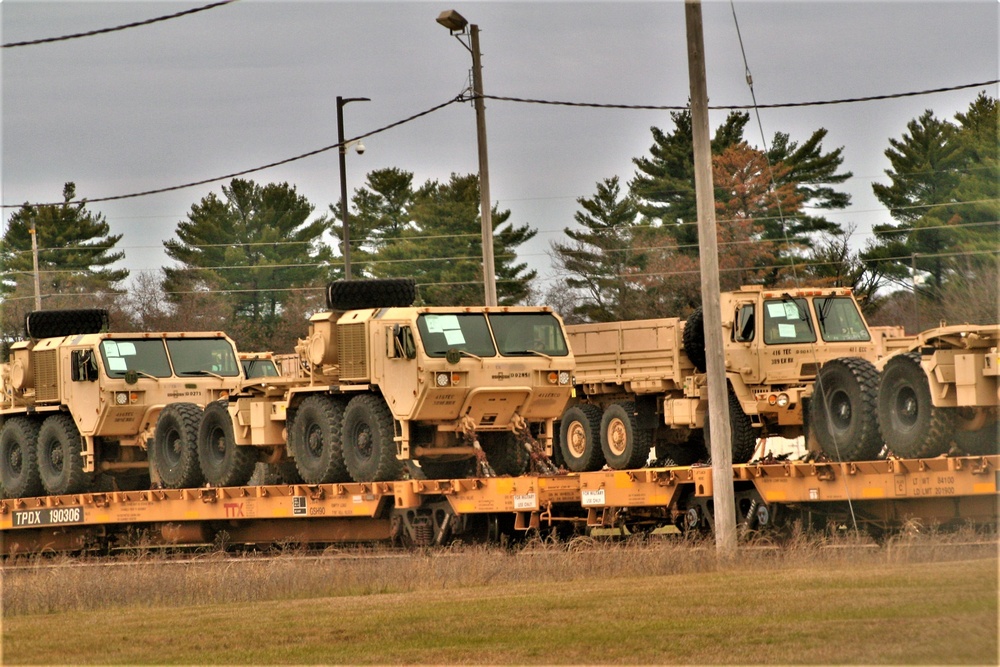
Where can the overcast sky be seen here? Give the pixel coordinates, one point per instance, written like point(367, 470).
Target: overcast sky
point(255, 82)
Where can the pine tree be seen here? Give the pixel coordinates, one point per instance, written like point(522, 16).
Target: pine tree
point(438, 242)
point(944, 194)
point(601, 261)
point(256, 246)
point(76, 253)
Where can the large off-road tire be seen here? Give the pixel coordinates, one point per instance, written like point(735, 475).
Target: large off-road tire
point(843, 413)
point(369, 449)
point(911, 425)
point(380, 293)
point(315, 441)
point(683, 454)
point(60, 459)
point(580, 438)
point(742, 435)
point(694, 339)
point(982, 442)
point(18, 458)
point(174, 454)
point(433, 468)
point(223, 462)
point(53, 323)
point(505, 454)
point(625, 445)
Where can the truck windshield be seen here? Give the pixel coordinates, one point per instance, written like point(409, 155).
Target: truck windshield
point(143, 356)
point(520, 334)
point(787, 321)
point(839, 319)
point(259, 368)
point(198, 356)
point(440, 332)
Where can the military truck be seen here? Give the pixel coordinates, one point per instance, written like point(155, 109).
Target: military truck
point(386, 386)
point(941, 391)
point(79, 403)
point(798, 361)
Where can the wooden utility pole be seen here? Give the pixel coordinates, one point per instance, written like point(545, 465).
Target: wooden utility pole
point(718, 391)
point(485, 207)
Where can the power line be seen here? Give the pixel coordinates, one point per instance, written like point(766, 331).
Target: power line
point(247, 171)
point(653, 274)
point(734, 107)
point(126, 26)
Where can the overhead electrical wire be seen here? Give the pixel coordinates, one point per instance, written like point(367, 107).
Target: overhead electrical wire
point(463, 97)
point(101, 31)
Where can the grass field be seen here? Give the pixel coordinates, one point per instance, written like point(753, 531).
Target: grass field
point(926, 602)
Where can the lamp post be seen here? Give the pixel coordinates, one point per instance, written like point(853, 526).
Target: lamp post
point(456, 23)
point(341, 101)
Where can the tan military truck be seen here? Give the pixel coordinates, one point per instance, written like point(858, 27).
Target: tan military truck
point(385, 383)
point(941, 390)
point(796, 360)
point(78, 402)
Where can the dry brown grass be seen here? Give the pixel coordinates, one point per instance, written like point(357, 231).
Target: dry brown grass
point(40, 585)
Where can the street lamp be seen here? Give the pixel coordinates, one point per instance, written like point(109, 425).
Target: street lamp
point(359, 147)
point(456, 23)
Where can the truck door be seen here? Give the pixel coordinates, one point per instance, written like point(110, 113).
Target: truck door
point(744, 357)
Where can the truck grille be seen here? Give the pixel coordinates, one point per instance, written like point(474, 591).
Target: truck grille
point(351, 348)
point(46, 365)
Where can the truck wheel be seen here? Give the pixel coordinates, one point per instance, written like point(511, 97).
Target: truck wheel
point(369, 449)
point(314, 441)
point(983, 442)
point(438, 469)
point(684, 454)
point(382, 293)
point(174, 455)
point(742, 436)
point(60, 461)
point(911, 425)
point(842, 412)
point(625, 445)
point(694, 339)
point(505, 454)
point(54, 323)
point(223, 462)
point(580, 438)
point(19, 463)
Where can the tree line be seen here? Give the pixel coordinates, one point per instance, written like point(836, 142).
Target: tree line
point(253, 260)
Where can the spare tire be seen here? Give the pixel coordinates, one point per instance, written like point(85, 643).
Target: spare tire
point(694, 339)
point(382, 293)
point(54, 323)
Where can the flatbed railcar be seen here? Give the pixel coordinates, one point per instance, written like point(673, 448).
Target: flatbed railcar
point(877, 495)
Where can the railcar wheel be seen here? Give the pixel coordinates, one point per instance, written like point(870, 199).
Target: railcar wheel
point(912, 426)
point(505, 454)
point(174, 455)
point(223, 462)
point(580, 438)
point(842, 412)
point(60, 460)
point(19, 458)
point(625, 445)
point(315, 441)
point(742, 436)
point(369, 449)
